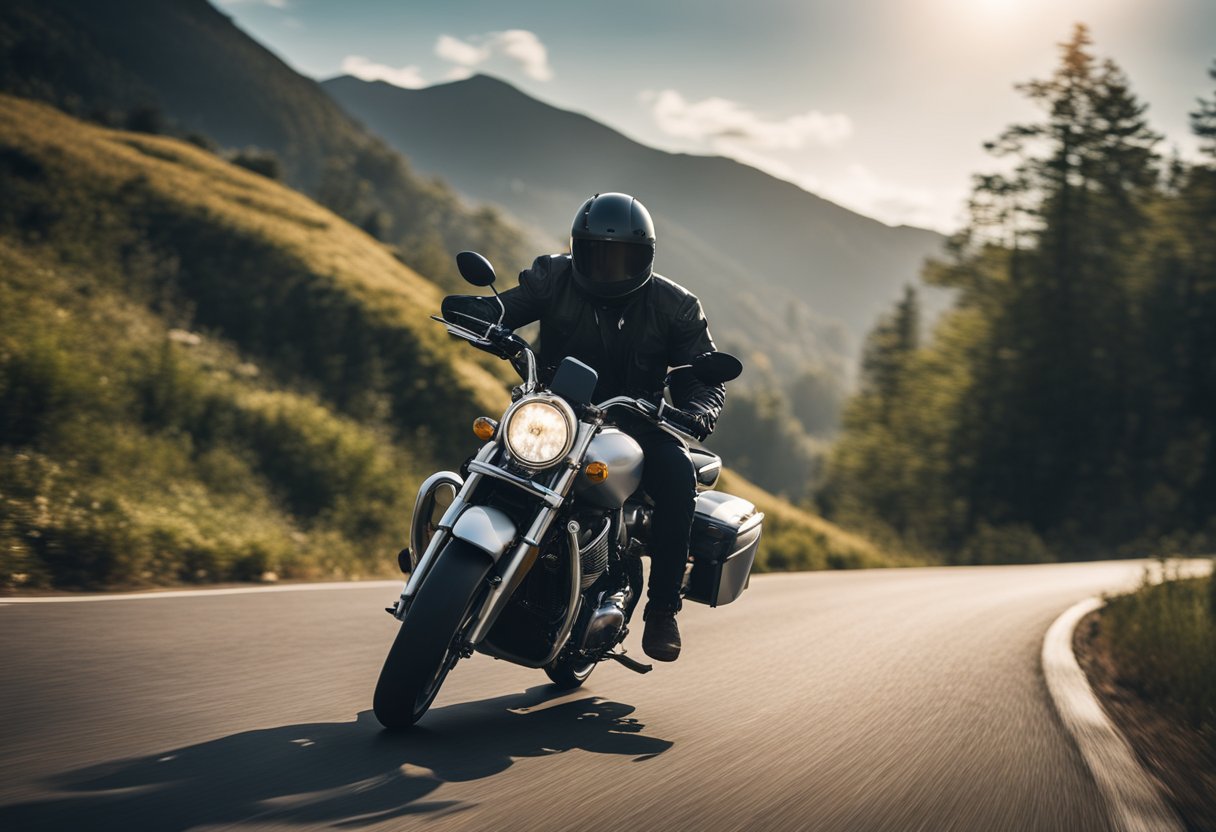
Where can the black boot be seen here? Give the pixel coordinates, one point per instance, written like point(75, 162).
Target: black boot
point(661, 639)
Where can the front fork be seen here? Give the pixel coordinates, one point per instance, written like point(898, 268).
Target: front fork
point(503, 581)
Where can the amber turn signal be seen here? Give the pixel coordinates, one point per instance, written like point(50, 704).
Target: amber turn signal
point(596, 471)
point(484, 428)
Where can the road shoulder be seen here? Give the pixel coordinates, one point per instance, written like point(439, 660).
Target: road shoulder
point(1178, 759)
point(1133, 798)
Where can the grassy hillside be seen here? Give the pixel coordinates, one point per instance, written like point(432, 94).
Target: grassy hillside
point(206, 376)
point(203, 374)
point(189, 62)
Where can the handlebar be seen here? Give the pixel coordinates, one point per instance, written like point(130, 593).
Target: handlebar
point(663, 415)
point(503, 342)
point(499, 341)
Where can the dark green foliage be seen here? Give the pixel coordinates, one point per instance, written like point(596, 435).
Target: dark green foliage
point(262, 162)
point(1070, 396)
point(145, 120)
point(760, 438)
point(816, 399)
point(134, 454)
point(1203, 119)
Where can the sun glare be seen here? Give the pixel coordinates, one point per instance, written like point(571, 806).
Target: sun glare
point(990, 10)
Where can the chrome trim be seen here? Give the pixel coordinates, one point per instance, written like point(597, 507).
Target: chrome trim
point(420, 569)
point(487, 528)
point(509, 564)
point(551, 497)
point(575, 598)
point(562, 406)
point(574, 605)
point(429, 485)
point(530, 383)
point(445, 524)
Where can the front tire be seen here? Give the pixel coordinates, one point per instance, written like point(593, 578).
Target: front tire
point(424, 650)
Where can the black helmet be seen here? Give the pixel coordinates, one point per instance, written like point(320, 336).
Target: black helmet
point(612, 245)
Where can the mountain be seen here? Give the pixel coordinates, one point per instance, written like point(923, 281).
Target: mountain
point(184, 63)
point(776, 266)
point(204, 375)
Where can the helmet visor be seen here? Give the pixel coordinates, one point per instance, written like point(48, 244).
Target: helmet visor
point(610, 261)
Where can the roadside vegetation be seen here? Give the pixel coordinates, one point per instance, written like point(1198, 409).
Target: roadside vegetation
point(205, 376)
point(1066, 406)
point(1151, 657)
point(1163, 641)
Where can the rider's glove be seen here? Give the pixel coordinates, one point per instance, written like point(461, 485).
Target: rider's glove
point(697, 423)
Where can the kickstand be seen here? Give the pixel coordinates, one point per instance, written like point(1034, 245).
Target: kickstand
point(635, 666)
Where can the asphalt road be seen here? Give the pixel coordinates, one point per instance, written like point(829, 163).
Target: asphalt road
point(877, 700)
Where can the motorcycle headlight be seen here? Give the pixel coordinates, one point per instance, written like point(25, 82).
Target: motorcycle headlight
point(539, 431)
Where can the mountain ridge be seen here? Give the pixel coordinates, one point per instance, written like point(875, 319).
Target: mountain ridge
point(540, 160)
point(190, 61)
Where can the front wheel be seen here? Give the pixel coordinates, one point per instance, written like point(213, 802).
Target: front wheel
point(425, 650)
point(568, 674)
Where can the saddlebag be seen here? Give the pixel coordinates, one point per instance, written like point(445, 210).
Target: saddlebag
point(725, 537)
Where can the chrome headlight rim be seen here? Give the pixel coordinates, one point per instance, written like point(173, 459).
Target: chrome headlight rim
point(559, 404)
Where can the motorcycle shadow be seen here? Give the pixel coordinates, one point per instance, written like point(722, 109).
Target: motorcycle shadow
point(347, 774)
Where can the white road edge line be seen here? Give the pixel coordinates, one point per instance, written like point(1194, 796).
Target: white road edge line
point(202, 593)
point(1133, 800)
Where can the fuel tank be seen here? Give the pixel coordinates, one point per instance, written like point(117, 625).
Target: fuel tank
point(624, 458)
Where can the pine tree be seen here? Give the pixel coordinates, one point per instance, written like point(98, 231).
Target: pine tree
point(887, 349)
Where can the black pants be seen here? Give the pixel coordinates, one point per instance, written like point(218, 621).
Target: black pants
point(669, 479)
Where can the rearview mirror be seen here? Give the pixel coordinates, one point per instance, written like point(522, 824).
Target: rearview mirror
point(716, 367)
point(475, 269)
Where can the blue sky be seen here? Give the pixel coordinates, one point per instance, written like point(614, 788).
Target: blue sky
point(880, 105)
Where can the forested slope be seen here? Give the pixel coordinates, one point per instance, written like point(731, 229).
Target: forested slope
point(1067, 405)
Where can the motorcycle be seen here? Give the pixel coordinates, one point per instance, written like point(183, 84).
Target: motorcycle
point(534, 556)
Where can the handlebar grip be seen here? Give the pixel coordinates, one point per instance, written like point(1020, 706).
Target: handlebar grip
point(684, 422)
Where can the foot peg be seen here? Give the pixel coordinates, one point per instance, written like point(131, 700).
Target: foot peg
point(635, 666)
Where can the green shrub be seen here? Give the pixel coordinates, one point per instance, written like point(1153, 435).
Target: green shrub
point(1163, 639)
point(1005, 544)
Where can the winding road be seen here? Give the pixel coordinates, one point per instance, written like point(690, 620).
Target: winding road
point(874, 700)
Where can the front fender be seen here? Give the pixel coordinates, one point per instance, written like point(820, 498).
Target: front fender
point(487, 528)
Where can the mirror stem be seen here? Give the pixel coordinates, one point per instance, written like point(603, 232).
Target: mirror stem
point(502, 309)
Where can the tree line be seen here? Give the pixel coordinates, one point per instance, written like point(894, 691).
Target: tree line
point(1066, 405)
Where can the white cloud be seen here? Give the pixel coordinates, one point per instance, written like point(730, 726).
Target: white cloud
point(458, 73)
point(714, 120)
point(860, 189)
point(519, 46)
point(525, 48)
point(459, 52)
point(360, 67)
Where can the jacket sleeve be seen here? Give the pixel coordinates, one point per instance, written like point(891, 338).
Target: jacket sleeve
point(689, 338)
point(523, 304)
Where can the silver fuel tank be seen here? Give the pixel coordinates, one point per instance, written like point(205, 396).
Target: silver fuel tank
point(624, 458)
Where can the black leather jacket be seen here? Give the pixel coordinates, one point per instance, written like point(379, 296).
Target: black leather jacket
point(631, 344)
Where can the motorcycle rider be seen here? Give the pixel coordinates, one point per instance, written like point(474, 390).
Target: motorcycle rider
point(604, 305)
